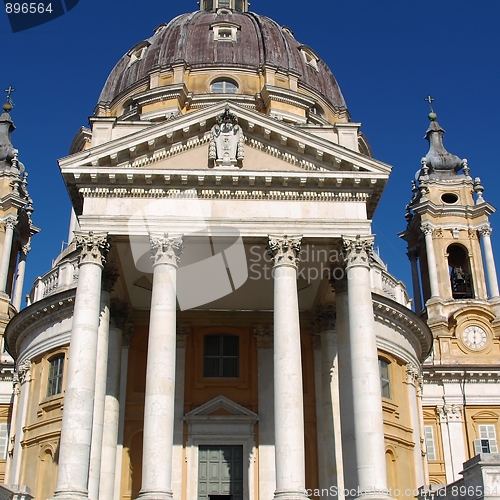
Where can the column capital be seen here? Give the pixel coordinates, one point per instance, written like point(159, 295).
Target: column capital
point(426, 228)
point(449, 413)
point(182, 333)
point(10, 221)
point(485, 230)
point(339, 283)
point(412, 254)
point(264, 334)
point(16, 384)
point(325, 318)
point(109, 277)
point(24, 372)
point(94, 247)
point(284, 250)
point(412, 374)
point(25, 249)
point(358, 251)
point(120, 313)
point(165, 249)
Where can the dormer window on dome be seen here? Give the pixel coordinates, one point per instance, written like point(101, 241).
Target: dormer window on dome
point(310, 57)
point(225, 32)
point(237, 5)
point(137, 53)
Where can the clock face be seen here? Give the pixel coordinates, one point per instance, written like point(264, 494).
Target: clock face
point(474, 337)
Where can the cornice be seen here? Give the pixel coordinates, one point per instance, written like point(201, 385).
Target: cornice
point(463, 211)
point(439, 374)
point(405, 321)
point(49, 310)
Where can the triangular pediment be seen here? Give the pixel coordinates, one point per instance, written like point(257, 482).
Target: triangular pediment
point(298, 148)
point(221, 407)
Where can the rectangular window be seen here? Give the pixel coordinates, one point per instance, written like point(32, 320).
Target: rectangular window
point(385, 381)
point(238, 6)
point(209, 4)
point(4, 440)
point(429, 442)
point(224, 3)
point(54, 385)
point(487, 442)
point(221, 356)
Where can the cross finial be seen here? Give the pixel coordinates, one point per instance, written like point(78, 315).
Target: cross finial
point(430, 99)
point(9, 91)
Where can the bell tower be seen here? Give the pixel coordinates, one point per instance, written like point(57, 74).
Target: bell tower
point(448, 234)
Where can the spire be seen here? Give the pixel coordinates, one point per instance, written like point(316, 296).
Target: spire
point(440, 162)
point(7, 151)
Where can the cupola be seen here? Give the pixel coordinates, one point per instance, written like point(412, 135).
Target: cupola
point(237, 5)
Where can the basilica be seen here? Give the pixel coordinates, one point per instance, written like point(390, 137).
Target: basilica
point(219, 326)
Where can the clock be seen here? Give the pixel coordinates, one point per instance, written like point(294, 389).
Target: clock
point(474, 337)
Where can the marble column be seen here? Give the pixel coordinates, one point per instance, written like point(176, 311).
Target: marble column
point(318, 395)
point(348, 453)
point(452, 435)
point(415, 279)
point(180, 376)
point(109, 277)
point(159, 402)
point(11, 449)
point(21, 270)
point(330, 399)
point(24, 376)
point(267, 458)
point(119, 317)
point(288, 392)
point(419, 388)
point(412, 374)
point(366, 392)
point(126, 340)
point(427, 229)
point(10, 222)
point(76, 433)
point(491, 271)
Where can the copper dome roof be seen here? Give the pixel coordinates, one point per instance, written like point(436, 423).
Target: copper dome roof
point(189, 38)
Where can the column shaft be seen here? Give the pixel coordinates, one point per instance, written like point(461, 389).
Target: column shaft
point(288, 392)
point(76, 433)
point(21, 270)
point(367, 397)
point(490, 263)
point(415, 279)
point(10, 222)
point(111, 416)
point(160, 374)
point(431, 260)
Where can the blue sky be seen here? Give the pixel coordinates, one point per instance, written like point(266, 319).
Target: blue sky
point(387, 55)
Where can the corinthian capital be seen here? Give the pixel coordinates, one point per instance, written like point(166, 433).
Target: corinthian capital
point(485, 230)
point(10, 222)
point(25, 249)
point(412, 374)
point(109, 276)
point(325, 318)
point(165, 250)
point(24, 372)
point(426, 228)
point(284, 250)
point(358, 251)
point(94, 247)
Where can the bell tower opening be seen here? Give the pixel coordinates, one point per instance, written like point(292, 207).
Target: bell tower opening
point(460, 275)
point(236, 5)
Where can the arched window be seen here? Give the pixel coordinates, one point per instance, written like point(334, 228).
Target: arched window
point(221, 355)
point(224, 86)
point(54, 385)
point(460, 275)
point(385, 378)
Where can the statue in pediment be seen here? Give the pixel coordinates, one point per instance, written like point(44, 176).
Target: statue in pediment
point(227, 142)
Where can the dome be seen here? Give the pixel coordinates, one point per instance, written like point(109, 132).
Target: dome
point(259, 42)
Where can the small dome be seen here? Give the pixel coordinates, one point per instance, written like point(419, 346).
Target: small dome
point(189, 38)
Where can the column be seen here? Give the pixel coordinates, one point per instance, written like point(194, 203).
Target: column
point(419, 388)
point(427, 229)
point(267, 468)
point(180, 375)
point(366, 393)
point(412, 374)
point(76, 433)
point(415, 279)
point(452, 434)
point(21, 269)
point(126, 340)
point(24, 375)
point(109, 277)
point(491, 271)
point(330, 399)
point(11, 449)
point(288, 393)
point(10, 222)
point(160, 372)
point(119, 317)
point(348, 454)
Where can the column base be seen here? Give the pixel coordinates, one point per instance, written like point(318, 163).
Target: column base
point(155, 495)
point(71, 495)
point(290, 495)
